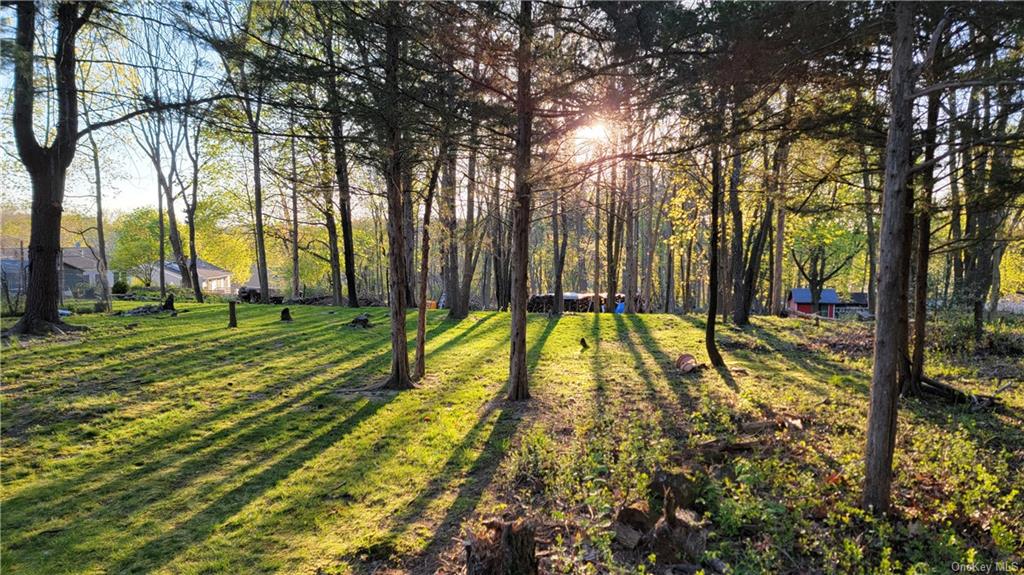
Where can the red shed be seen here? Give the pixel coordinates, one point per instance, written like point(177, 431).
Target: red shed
point(800, 300)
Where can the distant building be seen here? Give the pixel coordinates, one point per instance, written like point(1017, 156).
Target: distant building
point(81, 266)
point(800, 300)
point(855, 306)
point(79, 270)
point(212, 278)
point(277, 281)
point(1011, 303)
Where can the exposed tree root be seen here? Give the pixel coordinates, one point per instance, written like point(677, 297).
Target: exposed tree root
point(388, 384)
point(35, 327)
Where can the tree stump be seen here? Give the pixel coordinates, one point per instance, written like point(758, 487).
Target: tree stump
point(286, 315)
point(679, 534)
point(232, 319)
point(169, 303)
point(505, 548)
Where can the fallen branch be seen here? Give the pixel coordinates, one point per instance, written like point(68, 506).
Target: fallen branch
point(934, 387)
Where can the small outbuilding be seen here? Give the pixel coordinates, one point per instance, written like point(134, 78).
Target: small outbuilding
point(800, 300)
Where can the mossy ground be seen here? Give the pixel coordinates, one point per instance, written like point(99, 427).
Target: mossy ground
point(173, 444)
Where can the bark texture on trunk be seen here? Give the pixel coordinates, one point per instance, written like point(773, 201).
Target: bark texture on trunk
point(629, 283)
point(716, 191)
point(893, 256)
point(47, 166)
point(869, 223)
point(470, 245)
point(748, 281)
point(560, 235)
point(420, 367)
point(924, 225)
point(101, 240)
point(257, 193)
point(294, 231)
point(400, 375)
point(450, 245)
point(518, 378)
point(736, 214)
point(341, 174)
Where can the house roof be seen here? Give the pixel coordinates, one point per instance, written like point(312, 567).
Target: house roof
point(79, 258)
point(859, 298)
point(803, 295)
point(205, 269)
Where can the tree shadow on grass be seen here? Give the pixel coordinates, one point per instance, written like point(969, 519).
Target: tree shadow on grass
point(481, 470)
point(160, 550)
point(655, 352)
point(187, 460)
point(821, 368)
point(989, 429)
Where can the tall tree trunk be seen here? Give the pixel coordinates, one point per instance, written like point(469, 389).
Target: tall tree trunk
point(596, 300)
point(332, 230)
point(257, 192)
point(420, 368)
point(778, 298)
point(409, 229)
point(748, 281)
point(990, 213)
point(499, 250)
point(163, 241)
point(924, 232)
point(400, 376)
point(736, 214)
point(174, 234)
point(101, 261)
point(47, 166)
point(614, 242)
point(518, 378)
point(629, 273)
point(716, 193)
point(341, 174)
point(670, 275)
point(724, 279)
point(654, 229)
point(449, 221)
point(869, 224)
point(688, 303)
point(470, 245)
point(560, 233)
point(881, 430)
point(294, 232)
point(191, 206)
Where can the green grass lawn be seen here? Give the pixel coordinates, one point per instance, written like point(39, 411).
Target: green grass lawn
point(176, 445)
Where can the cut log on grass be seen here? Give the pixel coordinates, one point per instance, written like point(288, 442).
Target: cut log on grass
point(151, 309)
point(502, 547)
point(362, 320)
point(686, 363)
point(286, 315)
